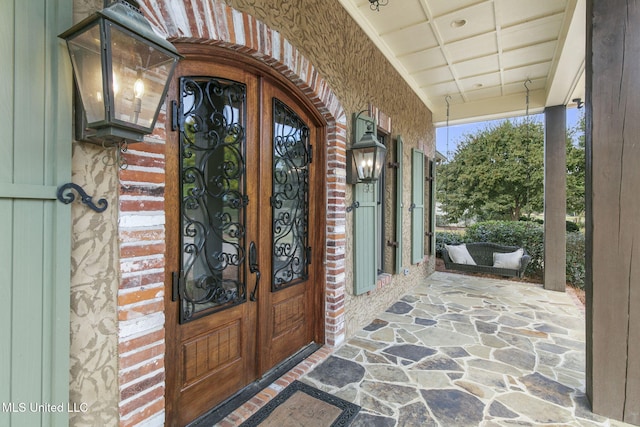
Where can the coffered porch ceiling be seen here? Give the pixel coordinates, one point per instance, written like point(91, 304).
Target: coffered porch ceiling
point(481, 52)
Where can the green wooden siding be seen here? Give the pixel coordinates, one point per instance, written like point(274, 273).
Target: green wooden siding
point(364, 223)
point(417, 206)
point(399, 203)
point(364, 227)
point(35, 147)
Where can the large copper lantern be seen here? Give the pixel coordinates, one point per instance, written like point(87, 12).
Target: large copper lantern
point(122, 70)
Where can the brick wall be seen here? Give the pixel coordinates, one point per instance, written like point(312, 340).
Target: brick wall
point(141, 344)
point(141, 216)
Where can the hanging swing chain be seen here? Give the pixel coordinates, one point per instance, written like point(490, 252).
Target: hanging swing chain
point(527, 99)
point(446, 187)
point(527, 109)
point(447, 99)
point(527, 165)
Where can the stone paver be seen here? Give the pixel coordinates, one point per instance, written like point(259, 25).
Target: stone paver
point(466, 351)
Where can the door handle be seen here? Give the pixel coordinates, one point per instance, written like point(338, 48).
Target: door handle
point(253, 268)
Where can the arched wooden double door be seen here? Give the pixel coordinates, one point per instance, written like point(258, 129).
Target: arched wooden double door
point(244, 231)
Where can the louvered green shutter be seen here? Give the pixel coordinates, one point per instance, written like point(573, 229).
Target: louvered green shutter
point(417, 206)
point(364, 228)
point(399, 203)
point(35, 229)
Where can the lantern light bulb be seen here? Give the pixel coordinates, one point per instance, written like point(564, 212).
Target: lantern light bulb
point(138, 88)
point(116, 86)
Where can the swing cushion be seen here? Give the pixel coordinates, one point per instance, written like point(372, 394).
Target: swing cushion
point(508, 260)
point(459, 254)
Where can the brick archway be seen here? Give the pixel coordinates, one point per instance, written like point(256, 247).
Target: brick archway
point(141, 216)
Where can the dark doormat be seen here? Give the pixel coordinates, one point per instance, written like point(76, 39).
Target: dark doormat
point(300, 405)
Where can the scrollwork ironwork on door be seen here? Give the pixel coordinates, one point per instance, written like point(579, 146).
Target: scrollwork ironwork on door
point(290, 199)
point(212, 121)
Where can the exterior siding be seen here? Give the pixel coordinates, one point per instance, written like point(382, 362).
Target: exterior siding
point(35, 85)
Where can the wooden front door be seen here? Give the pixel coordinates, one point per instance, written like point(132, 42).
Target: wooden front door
point(244, 285)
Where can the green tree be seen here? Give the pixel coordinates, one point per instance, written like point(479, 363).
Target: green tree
point(496, 173)
point(576, 167)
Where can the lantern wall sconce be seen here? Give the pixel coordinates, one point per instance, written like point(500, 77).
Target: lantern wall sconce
point(122, 70)
point(365, 158)
point(579, 102)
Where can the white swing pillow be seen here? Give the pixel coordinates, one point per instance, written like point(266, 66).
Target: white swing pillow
point(459, 254)
point(510, 260)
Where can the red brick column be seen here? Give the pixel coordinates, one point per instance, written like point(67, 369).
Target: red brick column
point(141, 217)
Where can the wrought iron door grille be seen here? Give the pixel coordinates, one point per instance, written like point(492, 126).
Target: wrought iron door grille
point(212, 123)
point(290, 198)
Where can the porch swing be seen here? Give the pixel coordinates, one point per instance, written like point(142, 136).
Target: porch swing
point(485, 257)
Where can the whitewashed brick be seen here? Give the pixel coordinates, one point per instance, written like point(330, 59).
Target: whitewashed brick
point(129, 328)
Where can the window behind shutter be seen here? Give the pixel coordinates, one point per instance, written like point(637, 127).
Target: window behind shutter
point(417, 206)
point(364, 227)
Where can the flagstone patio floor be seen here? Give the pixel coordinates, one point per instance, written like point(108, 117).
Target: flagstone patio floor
point(459, 351)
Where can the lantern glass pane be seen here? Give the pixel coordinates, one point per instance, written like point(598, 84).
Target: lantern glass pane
point(365, 161)
point(380, 155)
point(84, 49)
point(140, 73)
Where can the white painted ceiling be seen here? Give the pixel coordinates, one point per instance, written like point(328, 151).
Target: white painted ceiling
point(480, 53)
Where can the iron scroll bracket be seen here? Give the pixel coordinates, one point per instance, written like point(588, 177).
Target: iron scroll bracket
point(352, 206)
point(66, 196)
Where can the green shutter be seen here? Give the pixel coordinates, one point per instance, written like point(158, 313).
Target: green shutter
point(431, 173)
point(35, 142)
point(364, 242)
point(364, 228)
point(417, 206)
point(399, 203)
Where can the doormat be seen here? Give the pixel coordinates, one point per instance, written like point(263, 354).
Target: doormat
point(300, 405)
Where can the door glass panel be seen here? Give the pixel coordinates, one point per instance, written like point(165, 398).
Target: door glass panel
point(290, 201)
point(213, 196)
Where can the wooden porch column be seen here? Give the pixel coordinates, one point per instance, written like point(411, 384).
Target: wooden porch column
point(613, 208)
point(555, 198)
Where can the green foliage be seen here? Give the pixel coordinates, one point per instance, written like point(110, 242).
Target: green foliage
point(575, 259)
point(576, 167)
point(526, 234)
point(497, 173)
point(494, 174)
point(447, 238)
point(536, 220)
point(572, 227)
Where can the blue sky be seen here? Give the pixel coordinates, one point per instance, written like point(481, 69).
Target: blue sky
point(457, 132)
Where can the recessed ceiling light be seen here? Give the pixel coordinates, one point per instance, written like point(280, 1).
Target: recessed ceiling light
point(458, 23)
